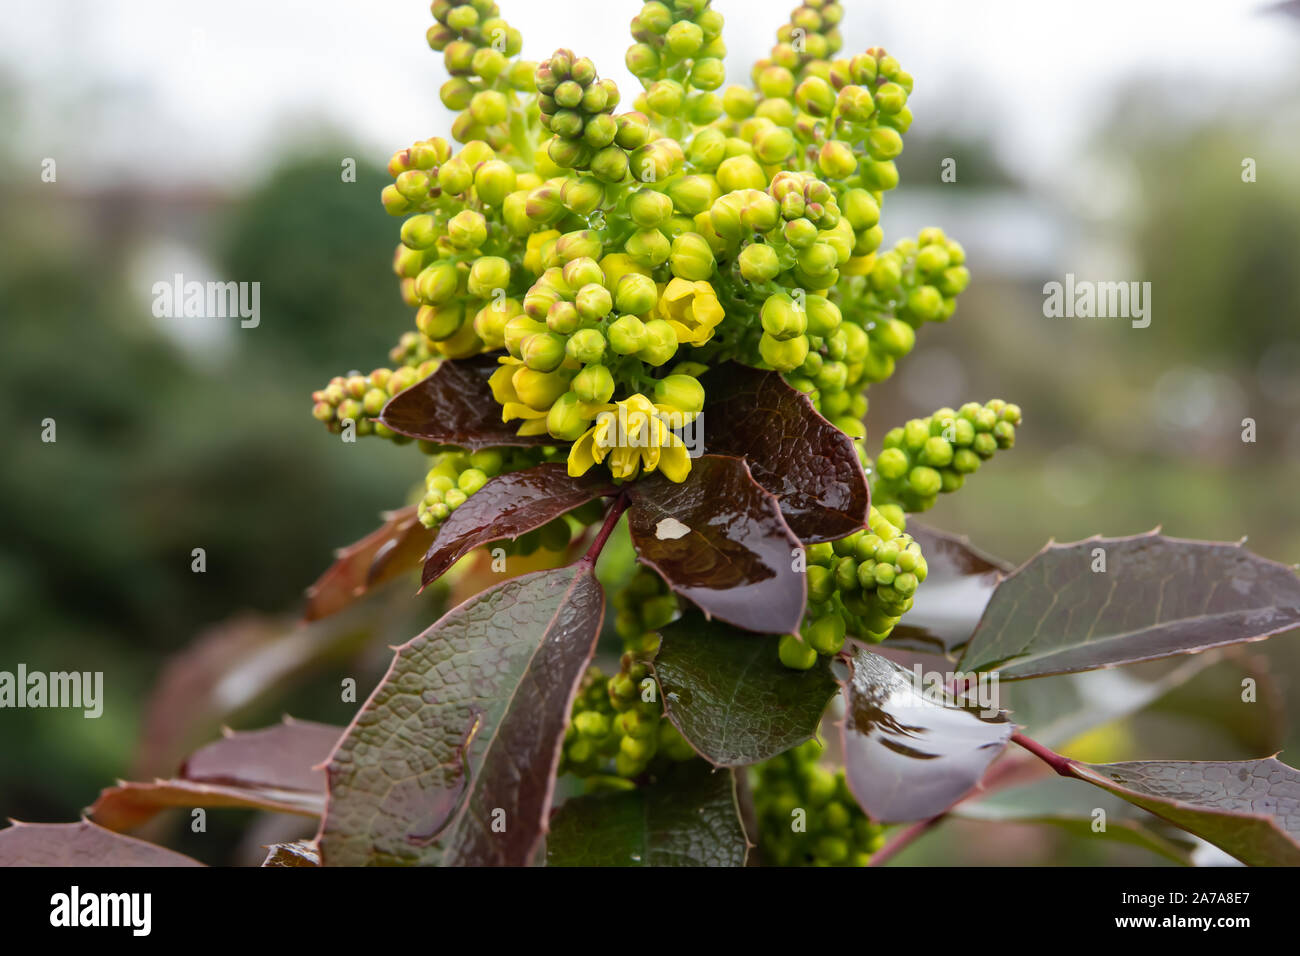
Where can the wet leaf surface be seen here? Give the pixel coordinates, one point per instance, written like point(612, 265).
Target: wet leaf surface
point(510, 505)
point(276, 769)
point(793, 452)
point(948, 606)
point(83, 844)
point(689, 817)
point(728, 693)
point(1157, 597)
point(298, 853)
point(454, 406)
point(911, 753)
point(734, 559)
point(386, 553)
point(452, 759)
point(1248, 808)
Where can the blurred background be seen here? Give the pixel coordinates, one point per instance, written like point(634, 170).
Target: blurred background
point(1104, 139)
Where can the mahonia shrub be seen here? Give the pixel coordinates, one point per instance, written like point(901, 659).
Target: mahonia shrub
point(650, 324)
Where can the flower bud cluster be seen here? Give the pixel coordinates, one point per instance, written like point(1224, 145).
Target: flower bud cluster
point(806, 814)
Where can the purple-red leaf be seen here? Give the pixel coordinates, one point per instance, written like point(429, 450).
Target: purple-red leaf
point(719, 540)
point(81, 844)
point(384, 554)
point(452, 760)
point(506, 507)
point(910, 751)
point(298, 853)
point(454, 406)
point(793, 452)
point(1107, 601)
point(1248, 808)
point(276, 769)
point(948, 606)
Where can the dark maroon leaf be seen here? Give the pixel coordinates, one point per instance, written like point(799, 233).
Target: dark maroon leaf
point(276, 769)
point(298, 853)
point(452, 760)
point(454, 406)
point(386, 553)
point(689, 817)
point(1248, 808)
point(719, 540)
point(81, 844)
point(728, 693)
point(808, 463)
point(510, 505)
point(1156, 597)
point(910, 752)
point(948, 606)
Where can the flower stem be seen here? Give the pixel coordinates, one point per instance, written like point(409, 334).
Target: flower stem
point(1062, 765)
point(611, 519)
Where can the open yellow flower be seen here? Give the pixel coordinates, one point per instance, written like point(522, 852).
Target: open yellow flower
point(503, 390)
point(692, 309)
point(632, 435)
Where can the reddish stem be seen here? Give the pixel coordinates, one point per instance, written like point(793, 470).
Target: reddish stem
point(903, 839)
point(611, 519)
point(1062, 765)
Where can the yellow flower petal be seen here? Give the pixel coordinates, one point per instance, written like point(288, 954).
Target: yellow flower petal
point(675, 462)
point(580, 455)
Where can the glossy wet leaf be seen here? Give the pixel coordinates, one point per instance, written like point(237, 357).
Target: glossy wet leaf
point(793, 452)
point(1070, 806)
point(386, 553)
point(1247, 808)
point(948, 606)
point(910, 751)
point(1157, 597)
point(276, 769)
point(464, 731)
point(688, 817)
point(82, 844)
point(454, 406)
point(719, 540)
point(510, 505)
point(728, 693)
point(298, 853)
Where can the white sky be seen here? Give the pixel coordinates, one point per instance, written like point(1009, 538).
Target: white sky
point(199, 91)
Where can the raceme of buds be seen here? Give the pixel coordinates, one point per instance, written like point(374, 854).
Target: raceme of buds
point(606, 255)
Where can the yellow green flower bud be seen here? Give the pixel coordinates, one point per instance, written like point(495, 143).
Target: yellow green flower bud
point(420, 232)
point(488, 274)
point(594, 384)
point(691, 257)
point(660, 343)
point(627, 335)
point(784, 356)
point(635, 294)
point(783, 319)
point(682, 392)
point(543, 352)
point(759, 262)
point(467, 229)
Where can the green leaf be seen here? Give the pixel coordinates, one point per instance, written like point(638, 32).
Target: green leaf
point(719, 540)
point(1156, 597)
point(1247, 808)
point(80, 844)
point(793, 452)
point(957, 589)
point(688, 817)
point(1063, 803)
point(510, 505)
point(452, 759)
point(728, 693)
point(454, 406)
point(276, 769)
point(911, 753)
